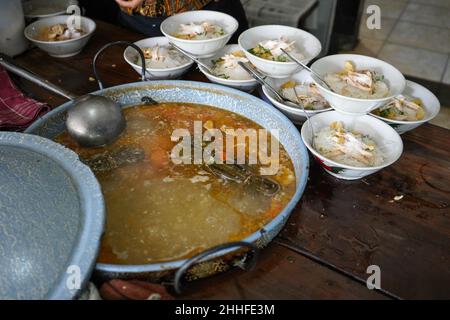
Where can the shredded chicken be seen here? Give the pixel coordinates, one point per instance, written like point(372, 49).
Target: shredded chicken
point(403, 109)
point(347, 147)
point(61, 32)
point(196, 31)
point(275, 46)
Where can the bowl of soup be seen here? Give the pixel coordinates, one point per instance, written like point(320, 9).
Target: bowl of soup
point(201, 32)
point(168, 197)
point(59, 36)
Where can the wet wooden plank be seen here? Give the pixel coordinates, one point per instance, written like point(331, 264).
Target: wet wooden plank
point(280, 274)
point(356, 224)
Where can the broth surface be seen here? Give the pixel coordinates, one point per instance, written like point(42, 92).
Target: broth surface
point(160, 211)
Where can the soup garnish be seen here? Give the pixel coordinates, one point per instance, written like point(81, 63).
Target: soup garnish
point(227, 67)
point(271, 50)
point(199, 31)
point(402, 108)
point(60, 32)
point(362, 84)
point(348, 147)
point(162, 57)
point(305, 94)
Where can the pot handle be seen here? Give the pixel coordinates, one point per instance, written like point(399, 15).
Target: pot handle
point(122, 43)
point(195, 259)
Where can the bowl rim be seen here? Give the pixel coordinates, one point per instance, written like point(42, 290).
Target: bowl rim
point(345, 166)
point(189, 63)
point(33, 24)
point(230, 81)
point(45, 15)
point(235, 26)
point(287, 63)
point(358, 99)
point(431, 115)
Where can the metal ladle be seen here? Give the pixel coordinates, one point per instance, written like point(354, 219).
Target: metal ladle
point(92, 120)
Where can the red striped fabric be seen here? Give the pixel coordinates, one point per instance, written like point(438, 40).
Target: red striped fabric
point(17, 111)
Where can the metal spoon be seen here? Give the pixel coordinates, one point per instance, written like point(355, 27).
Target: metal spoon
point(301, 64)
point(190, 56)
point(92, 121)
point(279, 97)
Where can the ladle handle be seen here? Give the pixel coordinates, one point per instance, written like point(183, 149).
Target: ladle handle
point(198, 258)
point(11, 66)
point(122, 43)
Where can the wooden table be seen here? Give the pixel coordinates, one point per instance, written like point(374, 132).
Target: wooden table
point(338, 228)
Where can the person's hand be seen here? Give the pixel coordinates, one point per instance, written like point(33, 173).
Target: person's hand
point(129, 4)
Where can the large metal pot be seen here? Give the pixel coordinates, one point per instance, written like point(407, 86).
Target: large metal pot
point(222, 97)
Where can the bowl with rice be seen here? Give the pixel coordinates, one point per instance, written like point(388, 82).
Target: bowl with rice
point(349, 147)
point(161, 60)
point(224, 69)
point(359, 84)
point(200, 32)
point(262, 46)
point(414, 107)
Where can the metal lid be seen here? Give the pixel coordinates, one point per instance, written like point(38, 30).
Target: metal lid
point(51, 219)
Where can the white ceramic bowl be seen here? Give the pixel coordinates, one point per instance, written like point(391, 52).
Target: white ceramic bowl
point(386, 138)
point(60, 49)
point(296, 115)
point(305, 42)
point(245, 85)
point(200, 48)
point(33, 9)
point(130, 55)
point(335, 63)
point(431, 105)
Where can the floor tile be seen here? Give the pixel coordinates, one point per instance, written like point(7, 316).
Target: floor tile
point(389, 8)
point(415, 62)
point(421, 36)
point(443, 118)
point(387, 25)
point(430, 15)
point(367, 47)
point(438, 3)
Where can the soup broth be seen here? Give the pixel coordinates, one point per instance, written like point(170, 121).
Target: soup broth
point(161, 211)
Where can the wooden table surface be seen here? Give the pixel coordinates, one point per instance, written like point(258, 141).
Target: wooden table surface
point(338, 228)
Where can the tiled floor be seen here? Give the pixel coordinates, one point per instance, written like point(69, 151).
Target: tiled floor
point(414, 37)
point(412, 31)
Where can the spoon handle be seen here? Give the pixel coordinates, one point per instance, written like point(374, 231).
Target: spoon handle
point(11, 66)
point(187, 54)
point(301, 64)
point(260, 79)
